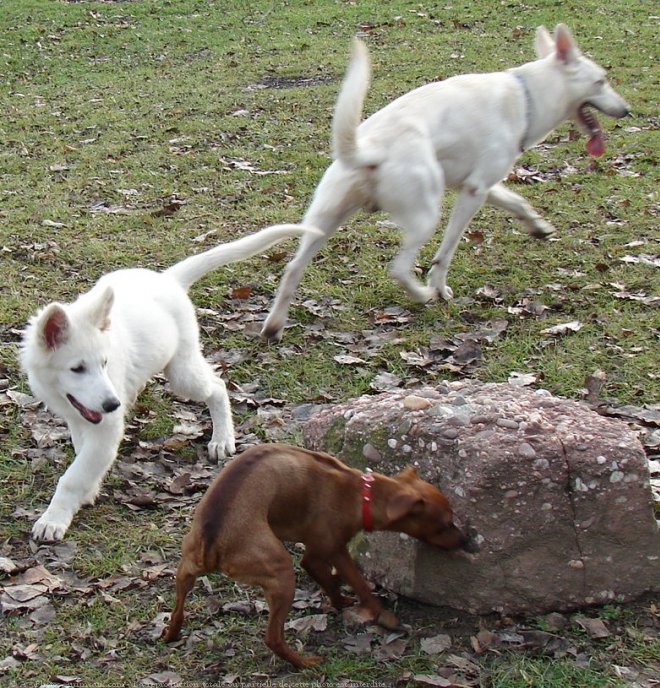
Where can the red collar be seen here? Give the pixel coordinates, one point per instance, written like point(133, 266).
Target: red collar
point(367, 483)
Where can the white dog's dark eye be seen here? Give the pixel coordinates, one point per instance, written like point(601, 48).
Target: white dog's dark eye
point(79, 368)
point(600, 82)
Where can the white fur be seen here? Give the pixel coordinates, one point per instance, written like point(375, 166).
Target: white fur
point(464, 133)
point(100, 350)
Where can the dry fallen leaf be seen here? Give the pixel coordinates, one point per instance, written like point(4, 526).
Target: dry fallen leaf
point(359, 644)
point(385, 381)
point(436, 680)
point(312, 622)
point(593, 384)
point(8, 663)
point(7, 565)
point(484, 640)
point(436, 644)
point(164, 678)
point(415, 358)
point(522, 379)
point(596, 628)
point(643, 258)
point(563, 328)
point(348, 359)
point(393, 649)
point(241, 293)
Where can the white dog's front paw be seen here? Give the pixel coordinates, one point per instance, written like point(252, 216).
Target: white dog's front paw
point(424, 294)
point(540, 229)
point(437, 280)
point(219, 448)
point(446, 292)
point(272, 330)
point(48, 529)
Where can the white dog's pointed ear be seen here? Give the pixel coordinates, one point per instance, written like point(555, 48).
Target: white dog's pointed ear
point(53, 326)
point(565, 45)
point(543, 43)
point(100, 313)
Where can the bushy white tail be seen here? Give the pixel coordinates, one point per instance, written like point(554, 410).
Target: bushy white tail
point(350, 102)
point(189, 270)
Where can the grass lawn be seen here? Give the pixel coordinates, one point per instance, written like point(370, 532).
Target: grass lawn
point(136, 133)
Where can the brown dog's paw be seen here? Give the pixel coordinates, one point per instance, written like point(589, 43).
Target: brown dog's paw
point(362, 615)
point(169, 635)
point(310, 660)
point(342, 602)
point(388, 620)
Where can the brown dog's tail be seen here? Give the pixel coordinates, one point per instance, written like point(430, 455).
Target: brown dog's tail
point(348, 110)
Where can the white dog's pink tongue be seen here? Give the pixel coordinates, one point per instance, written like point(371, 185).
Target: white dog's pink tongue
point(92, 416)
point(596, 144)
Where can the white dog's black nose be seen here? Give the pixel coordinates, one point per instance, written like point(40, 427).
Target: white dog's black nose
point(110, 405)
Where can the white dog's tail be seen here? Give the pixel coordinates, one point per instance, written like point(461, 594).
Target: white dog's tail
point(348, 109)
point(193, 268)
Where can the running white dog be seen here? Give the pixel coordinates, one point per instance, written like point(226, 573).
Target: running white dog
point(88, 360)
point(463, 133)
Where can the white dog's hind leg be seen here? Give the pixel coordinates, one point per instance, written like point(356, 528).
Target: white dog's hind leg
point(276, 320)
point(193, 378)
point(467, 203)
point(401, 268)
point(335, 199)
point(80, 483)
point(410, 189)
point(223, 442)
point(501, 197)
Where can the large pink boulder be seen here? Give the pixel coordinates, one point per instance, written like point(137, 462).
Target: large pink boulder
point(557, 498)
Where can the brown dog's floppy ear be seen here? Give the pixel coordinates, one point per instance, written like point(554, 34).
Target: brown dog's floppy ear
point(407, 475)
point(401, 505)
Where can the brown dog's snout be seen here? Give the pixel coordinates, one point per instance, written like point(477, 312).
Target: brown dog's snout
point(470, 542)
point(463, 535)
point(449, 536)
point(454, 538)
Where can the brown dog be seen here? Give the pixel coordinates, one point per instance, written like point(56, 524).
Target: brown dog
point(276, 492)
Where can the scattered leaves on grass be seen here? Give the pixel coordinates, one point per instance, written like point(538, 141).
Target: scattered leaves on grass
point(643, 258)
point(164, 678)
point(246, 166)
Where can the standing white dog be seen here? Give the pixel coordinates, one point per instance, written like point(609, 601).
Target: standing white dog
point(88, 360)
point(463, 133)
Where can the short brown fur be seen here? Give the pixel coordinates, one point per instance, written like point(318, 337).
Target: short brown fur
point(276, 492)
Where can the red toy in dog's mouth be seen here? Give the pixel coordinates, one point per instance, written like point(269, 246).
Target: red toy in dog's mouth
point(92, 416)
point(596, 143)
